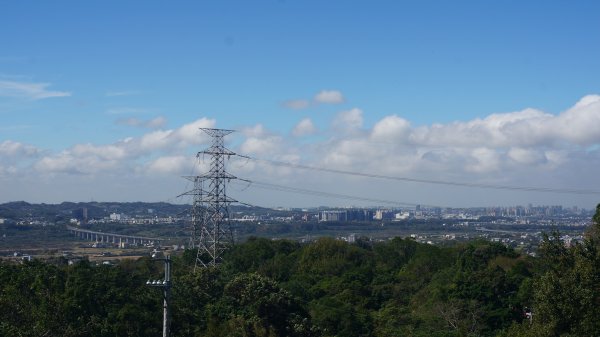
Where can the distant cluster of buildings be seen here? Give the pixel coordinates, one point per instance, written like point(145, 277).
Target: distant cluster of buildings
point(551, 215)
point(80, 217)
point(530, 210)
point(354, 214)
point(517, 212)
point(520, 214)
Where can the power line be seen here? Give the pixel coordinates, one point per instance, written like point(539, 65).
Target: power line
point(428, 181)
point(290, 189)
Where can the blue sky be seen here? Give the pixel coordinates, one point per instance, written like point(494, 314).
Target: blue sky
point(79, 78)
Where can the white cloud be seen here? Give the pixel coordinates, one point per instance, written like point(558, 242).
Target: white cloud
point(78, 163)
point(528, 147)
point(28, 90)
point(170, 165)
point(483, 160)
point(104, 152)
point(155, 123)
point(352, 152)
point(304, 127)
point(322, 97)
point(10, 148)
point(348, 120)
point(499, 142)
point(499, 146)
point(14, 158)
point(516, 128)
point(258, 146)
point(580, 124)
point(189, 134)
point(576, 126)
point(527, 156)
point(257, 130)
point(62, 163)
point(391, 128)
point(155, 140)
point(329, 97)
point(123, 155)
point(7, 171)
point(261, 146)
point(296, 104)
point(260, 141)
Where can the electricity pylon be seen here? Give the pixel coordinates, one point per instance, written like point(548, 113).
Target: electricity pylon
point(211, 232)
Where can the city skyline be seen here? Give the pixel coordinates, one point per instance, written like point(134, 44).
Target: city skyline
point(103, 101)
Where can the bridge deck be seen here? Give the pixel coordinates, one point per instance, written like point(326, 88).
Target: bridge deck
point(133, 237)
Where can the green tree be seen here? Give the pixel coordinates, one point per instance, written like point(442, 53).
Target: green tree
point(257, 306)
point(567, 293)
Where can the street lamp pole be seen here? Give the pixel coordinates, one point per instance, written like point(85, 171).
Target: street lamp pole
point(165, 284)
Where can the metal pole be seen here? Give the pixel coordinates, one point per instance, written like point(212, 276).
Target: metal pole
point(165, 284)
point(166, 300)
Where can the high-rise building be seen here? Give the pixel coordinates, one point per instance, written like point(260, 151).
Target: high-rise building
point(333, 216)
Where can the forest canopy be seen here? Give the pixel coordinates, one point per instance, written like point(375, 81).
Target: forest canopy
point(325, 288)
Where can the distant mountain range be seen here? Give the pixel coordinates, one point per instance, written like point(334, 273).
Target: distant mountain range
point(21, 209)
point(18, 210)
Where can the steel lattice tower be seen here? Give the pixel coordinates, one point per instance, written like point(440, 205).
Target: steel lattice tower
point(212, 232)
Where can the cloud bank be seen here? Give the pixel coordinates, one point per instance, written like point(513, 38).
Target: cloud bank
point(527, 147)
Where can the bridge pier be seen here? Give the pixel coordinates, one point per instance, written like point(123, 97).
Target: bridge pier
point(113, 238)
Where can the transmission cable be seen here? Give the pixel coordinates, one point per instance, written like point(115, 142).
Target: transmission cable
point(290, 189)
point(427, 181)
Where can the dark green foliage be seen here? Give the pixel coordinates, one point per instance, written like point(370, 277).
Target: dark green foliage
point(326, 288)
point(38, 299)
point(566, 291)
